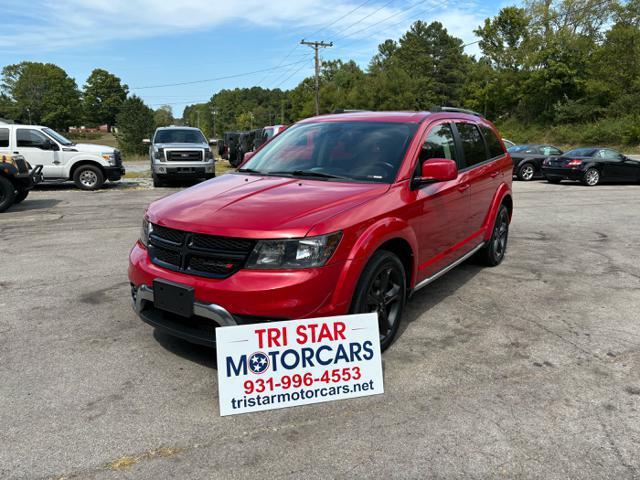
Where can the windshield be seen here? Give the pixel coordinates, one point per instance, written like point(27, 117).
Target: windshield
point(178, 135)
point(359, 151)
point(57, 137)
point(580, 152)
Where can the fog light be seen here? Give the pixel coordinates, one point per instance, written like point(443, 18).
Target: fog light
point(162, 170)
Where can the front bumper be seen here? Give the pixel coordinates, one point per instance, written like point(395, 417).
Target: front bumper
point(28, 180)
point(184, 170)
point(114, 173)
point(248, 296)
point(563, 173)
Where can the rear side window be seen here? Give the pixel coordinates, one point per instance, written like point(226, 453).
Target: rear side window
point(472, 144)
point(439, 144)
point(4, 137)
point(493, 144)
point(546, 150)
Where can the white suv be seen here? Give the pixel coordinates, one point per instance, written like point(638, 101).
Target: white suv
point(88, 165)
point(178, 153)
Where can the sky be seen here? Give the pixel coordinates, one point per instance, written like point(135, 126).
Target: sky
point(152, 43)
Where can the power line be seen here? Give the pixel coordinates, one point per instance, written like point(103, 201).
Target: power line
point(205, 80)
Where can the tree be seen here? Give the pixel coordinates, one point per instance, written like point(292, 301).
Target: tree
point(42, 93)
point(135, 123)
point(103, 97)
point(163, 116)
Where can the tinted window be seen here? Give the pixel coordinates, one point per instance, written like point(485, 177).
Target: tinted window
point(178, 135)
point(4, 137)
point(365, 151)
point(547, 150)
point(519, 148)
point(472, 144)
point(493, 144)
point(609, 154)
point(30, 138)
point(580, 152)
point(439, 144)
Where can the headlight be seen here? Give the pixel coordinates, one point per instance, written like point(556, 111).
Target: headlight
point(147, 228)
point(208, 155)
point(295, 253)
point(109, 157)
point(159, 154)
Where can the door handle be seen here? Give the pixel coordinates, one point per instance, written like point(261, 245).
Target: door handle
point(494, 174)
point(56, 162)
point(463, 188)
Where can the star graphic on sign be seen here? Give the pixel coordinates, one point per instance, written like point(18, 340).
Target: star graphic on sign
point(258, 362)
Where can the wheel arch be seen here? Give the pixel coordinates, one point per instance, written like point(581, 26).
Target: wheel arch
point(503, 196)
point(82, 162)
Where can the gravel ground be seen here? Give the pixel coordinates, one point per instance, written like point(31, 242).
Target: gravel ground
point(527, 370)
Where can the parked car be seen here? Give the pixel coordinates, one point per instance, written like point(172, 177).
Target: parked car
point(17, 178)
point(88, 165)
point(246, 143)
point(271, 131)
point(591, 165)
point(339, 214)
point(527, 159)
point(180, 153)
point(230, 152)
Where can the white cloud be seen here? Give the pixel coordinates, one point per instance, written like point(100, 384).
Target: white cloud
point(68, 23)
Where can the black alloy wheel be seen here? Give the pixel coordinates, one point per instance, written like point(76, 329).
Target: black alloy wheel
point(382, 290)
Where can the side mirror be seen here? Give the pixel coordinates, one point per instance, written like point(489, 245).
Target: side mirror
point(146, 141)
point(248, 155)
point(437, 170)
point(213, 141)
point(51, 145)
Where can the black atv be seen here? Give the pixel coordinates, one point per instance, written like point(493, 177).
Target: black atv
point(16, 179)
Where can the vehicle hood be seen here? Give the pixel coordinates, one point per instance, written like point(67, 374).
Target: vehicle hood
point(92, 148)
point(252, 206)
point(181, 145)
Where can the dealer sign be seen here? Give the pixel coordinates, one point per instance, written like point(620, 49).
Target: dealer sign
point(282, 364)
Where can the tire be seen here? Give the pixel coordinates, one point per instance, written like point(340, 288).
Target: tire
point(554, 180)
point(493, 253)
point(526, 172)
point(158, 182)
point(21, 196)
point(7, 193)
point(591, 177)
point(88, 177)
point(388, 300)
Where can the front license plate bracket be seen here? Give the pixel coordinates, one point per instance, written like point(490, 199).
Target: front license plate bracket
point(173, 297)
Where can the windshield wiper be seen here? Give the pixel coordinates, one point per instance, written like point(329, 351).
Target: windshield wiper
point(249, 170)
point(310, 173)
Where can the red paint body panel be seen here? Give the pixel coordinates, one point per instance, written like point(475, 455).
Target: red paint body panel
point(439, 222)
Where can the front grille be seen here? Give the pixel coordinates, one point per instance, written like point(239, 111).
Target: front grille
point(184, 155)
point(198, 254)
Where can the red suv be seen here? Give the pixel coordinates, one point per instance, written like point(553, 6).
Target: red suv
point(343, 213)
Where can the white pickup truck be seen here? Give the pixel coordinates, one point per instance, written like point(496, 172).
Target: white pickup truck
point(88, 165)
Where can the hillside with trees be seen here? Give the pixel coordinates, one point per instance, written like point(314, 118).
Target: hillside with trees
point(566, 72)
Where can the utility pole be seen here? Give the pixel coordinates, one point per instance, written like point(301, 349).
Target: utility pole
point(316, 46)
point(214, 112)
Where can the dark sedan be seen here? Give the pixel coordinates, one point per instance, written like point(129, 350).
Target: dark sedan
point(591, 166)
point(527, 159)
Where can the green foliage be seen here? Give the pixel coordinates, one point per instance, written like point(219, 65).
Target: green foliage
point(41, 93)
point(102, 98)
point(163, 116)
point(135, 122)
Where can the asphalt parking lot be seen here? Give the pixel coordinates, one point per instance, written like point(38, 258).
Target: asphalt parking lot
point(527, 370)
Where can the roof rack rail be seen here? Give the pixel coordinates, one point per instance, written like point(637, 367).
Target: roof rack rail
point(345, 110)
point(457, 110)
